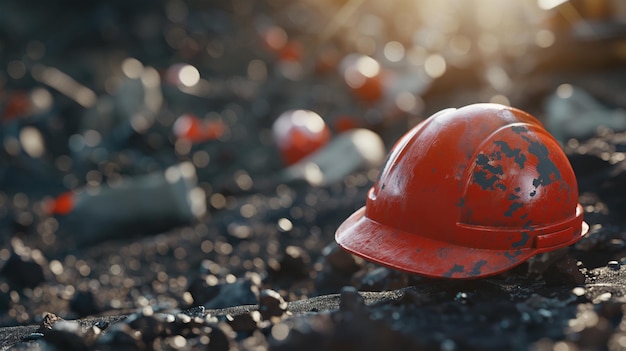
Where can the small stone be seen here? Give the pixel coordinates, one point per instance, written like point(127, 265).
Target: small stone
point(564, 271)
point(102, 325)
point(247, 322)
point(204, 288)
point(219, 339)
point(25, 266)
point(66, 335)
point(293, 265)
point(340, 259)
point(150, 325)
point(84, 304)
point(121, 337)
point(271, 304)
point(614, 265)
point(352, 304)
point(241, 292)
point(48, 321)
point(461, 297)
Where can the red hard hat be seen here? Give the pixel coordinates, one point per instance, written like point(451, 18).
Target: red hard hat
point(468, 193)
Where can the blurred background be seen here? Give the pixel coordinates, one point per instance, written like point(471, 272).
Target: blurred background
point(121, 118)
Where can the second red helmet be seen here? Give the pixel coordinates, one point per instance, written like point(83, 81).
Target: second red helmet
point(468, 193)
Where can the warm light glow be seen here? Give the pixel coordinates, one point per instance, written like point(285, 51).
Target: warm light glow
point(358, 68)
point(275, 37)
point(368, 66)
point(65, 84)
point(565, 91)
point(189, 75)
point(544, 38)
point(41, 98)
point(406, 101)
point(132, 68)
point(435, 66)
point(32, 142)
point(549, 4)
point(394, 51)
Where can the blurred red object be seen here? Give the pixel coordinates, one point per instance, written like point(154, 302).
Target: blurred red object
point(61, 205)
point(345, 122)
point(327, 60)
point(196, 130)
point(274, 38)
point(17, 105)
point(291, 52)
point(298, 133)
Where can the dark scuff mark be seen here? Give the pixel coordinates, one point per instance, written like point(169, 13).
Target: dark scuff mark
point(512, 256)
point(382, 187)
point(477, 267)
point(461, 202)
point(528, 225)
point(545, 166)
point(487, 175)
point(512, 197)
point(501, 186)
point(533, 193)
point(442, 253)
point(518, 189)
point(456, 269)
point(514, 207)
point(516, 154)
point(485, 182)
point(519, 129)
point(523, 241)
point(483, 161)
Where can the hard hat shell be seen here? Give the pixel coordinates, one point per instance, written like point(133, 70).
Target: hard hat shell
point(468, 193)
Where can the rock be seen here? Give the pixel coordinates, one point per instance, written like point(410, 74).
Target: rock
point(352, 304)
point(614, 265)
point(66, 335)
point(219, 338)
point(25, 266)
point(48, 321)
point(340, 259)
point(120, 337)
point(84, 303)
point(271, 304)
point(564, 272)
point(292, 266)
point(247, 322)
point(148, 324)
point(204, 288)
point(242, 292)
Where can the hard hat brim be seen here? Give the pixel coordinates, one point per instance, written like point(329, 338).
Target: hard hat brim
point(411, 253)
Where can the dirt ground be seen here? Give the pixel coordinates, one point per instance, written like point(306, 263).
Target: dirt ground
point(259, 270)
